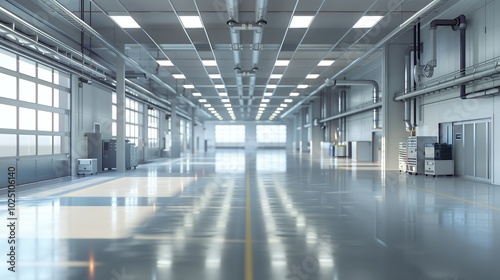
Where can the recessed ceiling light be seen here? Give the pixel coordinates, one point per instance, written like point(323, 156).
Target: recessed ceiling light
point(288, 100)
point(263, 105)
point(265, 100)
point(202, 100)
point(302, 86)
point(222, 93)
point(164, 62)
point(272, 86)
point(211, 109)
point(268, 94)
point(312, 76)
point(191, 21)
point(220, 86)
point(301, 21)
point(284, 105)
point(125, 21)
point(276, 76)
point(280, 109)
point(226, 100)
point(294, 94)
point(326, 63)
point(179, 76)
point(209, 62)
point(208, 105)
point(196, 94)
point(282, 62)
point(188, 86)
point(227, 105)
point(215, 76)
point(262, 109)
point(367, 21)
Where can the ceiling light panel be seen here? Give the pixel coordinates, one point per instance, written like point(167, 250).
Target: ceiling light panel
point(164, 62)
point(276, 76)
point(196, 94)
point(272, 86)
point(125, 21)
point(312, 76)
point(326, 63)
point(179, 76)
point(267, 94)
point(215, 76)
point(191, 21)
point(203, 100)
point(302, 86)
point(222, 93)
point(220, 86)
point(188, 86)
point(367, 21)
point(288, 100)
point(294, 94)
point(282, 62)
point(209, 62)
point(301, 21)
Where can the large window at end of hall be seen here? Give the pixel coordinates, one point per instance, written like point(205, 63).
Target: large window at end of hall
point(153, 126)
point(230, 135)
point(271, 135)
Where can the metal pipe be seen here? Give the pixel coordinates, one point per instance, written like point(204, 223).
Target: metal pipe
point(233, 13)
point(402, 28)
point(353, 112)
point(449, 84)
point(260, 13)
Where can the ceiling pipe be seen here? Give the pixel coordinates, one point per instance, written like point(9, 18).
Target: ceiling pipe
point(233, 13)
point(458, 23)
point(353, 112)
point(402, 28)
point(462, 80)
point(260, 14)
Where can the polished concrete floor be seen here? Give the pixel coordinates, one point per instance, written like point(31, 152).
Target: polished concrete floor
point(265, 215)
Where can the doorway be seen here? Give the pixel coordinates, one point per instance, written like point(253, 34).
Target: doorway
point(472, 149)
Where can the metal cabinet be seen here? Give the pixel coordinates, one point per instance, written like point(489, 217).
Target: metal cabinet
point(416, 156)
point(87, 166)
point(439, 167)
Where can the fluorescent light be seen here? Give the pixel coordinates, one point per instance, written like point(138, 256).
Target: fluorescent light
point(326, 63)
point(164, 62)
point(262, 109)
point(188, 86)
point(208, 105)
point(179, 76)
point(282, 62)
point(312, 76)
point(276, 76)
point(191, 21)
point(222, 93)
point(367, 21)
point(302, 86)
point(265, 100)
point(272, 86)
point(227, 105)
point(284, 105)
point(125, 21)
point(288, 100)
point(301, 21)
point(215, 76)
point(294, 94)
point(226, 100)
point(280, 109)
point(209, 62)
point(196, 94)
point(211, 109)
point(268, 94)
point(202, 100)
point(263, 105)
point(220, 86)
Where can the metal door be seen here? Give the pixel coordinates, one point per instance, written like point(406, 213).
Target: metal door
point(458, 149)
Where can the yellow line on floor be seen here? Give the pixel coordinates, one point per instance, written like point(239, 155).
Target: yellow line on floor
point(248, 233)
point(458, 199)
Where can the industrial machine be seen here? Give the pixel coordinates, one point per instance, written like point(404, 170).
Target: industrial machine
point(109, 154)
point(403, 153)
point(87, 166)
point(416, 153)
point(438, 159)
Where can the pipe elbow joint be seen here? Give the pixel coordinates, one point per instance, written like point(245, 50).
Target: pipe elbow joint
point(261, 22)
point(232, 22)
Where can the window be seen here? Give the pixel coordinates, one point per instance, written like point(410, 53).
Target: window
point(27, 129)
point(230, 135)
point(271, 134)
point(153, 127)
point(133, 120)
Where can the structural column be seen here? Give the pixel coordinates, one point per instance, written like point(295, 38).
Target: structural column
point(393, 129)
point(175, 152)
point(120, 118)
point(316, 132)
point(193, 130)
point(304, 130)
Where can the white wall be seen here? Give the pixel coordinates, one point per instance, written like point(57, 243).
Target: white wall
point(483, 43)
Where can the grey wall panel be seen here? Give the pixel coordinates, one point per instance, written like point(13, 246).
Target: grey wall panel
point(26, 171)
point(482, 151)
point(44, 169)
point(61, 167)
